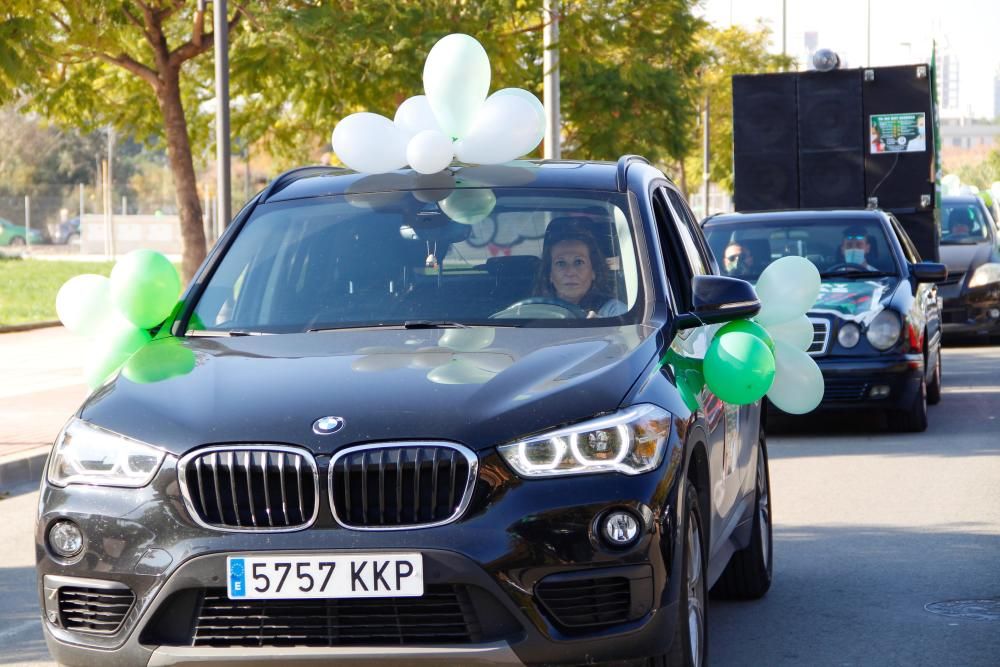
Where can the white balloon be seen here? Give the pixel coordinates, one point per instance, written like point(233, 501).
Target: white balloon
point(798, 332)
point(469, 206)
point(798, 383)
point(430, 151)
point(415, 115)
point(531, 99)
point(456, 81)
point(787, 288)
point(83, 303)
point(369, 143)
point(505, 129)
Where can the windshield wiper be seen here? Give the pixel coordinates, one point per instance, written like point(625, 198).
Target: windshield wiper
point(209, 333)
point(856, 274)
point(433, 324)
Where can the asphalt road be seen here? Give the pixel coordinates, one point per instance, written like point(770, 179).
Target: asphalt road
point(870, 528)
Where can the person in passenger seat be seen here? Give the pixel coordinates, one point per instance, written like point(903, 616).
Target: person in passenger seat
point(575, 270)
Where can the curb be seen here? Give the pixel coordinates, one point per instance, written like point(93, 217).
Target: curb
point(11, 328)
point(22, 467)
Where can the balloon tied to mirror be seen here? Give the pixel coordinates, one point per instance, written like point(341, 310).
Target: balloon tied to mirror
point(117, 314)
point(454, 118)
point(765, 356)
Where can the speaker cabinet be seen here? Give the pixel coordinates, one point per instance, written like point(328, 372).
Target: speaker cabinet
point(831, 153)
point(765, 142)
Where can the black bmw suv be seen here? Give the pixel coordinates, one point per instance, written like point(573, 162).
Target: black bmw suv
point(418, 419)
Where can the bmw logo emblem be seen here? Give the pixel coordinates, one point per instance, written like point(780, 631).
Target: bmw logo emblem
point(328, 425)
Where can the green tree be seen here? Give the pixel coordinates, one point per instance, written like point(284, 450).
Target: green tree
point(732, 50)
point(982, 174)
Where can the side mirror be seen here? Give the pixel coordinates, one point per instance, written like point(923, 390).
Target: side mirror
point(929, 272)
point(717, 299)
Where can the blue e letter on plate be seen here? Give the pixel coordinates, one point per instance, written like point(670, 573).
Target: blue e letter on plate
point(237, 578)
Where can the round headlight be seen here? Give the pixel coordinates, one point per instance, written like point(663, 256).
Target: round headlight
point(849, 335)
point(65, 538)
point(884, 330)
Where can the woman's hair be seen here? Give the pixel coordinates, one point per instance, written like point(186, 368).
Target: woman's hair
point(572, 229)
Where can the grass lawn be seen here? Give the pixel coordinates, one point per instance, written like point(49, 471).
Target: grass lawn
point(28, 287)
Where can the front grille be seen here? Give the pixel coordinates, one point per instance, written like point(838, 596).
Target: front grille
point(586, 604)
point(954, 278)
point(94, 610)
point(401, 485)
point(821, 336)
point(249, 487)
point(443, 615)
point(844, 389)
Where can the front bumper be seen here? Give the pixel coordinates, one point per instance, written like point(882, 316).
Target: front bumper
point(973, 311)
point(514, 535)
point(851, 381)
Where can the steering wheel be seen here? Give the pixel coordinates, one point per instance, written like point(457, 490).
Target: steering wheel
point(847, 265)
point(569, 310)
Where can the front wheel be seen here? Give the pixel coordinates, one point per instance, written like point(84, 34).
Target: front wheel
point(691, 634)
point(934, 386)
point(748, 574)
point(17, 241)
point(914, 419)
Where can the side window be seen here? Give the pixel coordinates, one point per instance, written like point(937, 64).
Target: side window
point(695, 254)
point(909, 251)
point(674, 262)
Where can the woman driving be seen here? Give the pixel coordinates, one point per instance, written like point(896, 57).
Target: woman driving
point(575, 271)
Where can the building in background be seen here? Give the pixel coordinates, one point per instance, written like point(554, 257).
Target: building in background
point(947, 84)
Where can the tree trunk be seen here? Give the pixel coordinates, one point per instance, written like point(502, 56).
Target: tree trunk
point(684, 179)
point(182, 169)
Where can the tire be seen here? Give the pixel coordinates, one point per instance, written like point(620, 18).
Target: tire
point(17, 241)
point(748, 574)
point(913, 420)
point(934, 387)
point(73, 239)
point(692, 618)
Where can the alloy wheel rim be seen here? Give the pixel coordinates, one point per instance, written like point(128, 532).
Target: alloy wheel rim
point(696, 603)
point(763, 510)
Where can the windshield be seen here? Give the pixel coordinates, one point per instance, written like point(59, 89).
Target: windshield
point(504, 257)
point(963, 224)
point(838, 248)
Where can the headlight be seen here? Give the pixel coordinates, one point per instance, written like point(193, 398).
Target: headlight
point(884, 330)
point(985, 274)
point(86, 454)
point(631, 441)
point(849, 335)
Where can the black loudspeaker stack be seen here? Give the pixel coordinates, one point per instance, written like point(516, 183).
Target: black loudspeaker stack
point(841, 139)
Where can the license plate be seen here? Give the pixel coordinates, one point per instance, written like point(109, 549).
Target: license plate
point(325, 576)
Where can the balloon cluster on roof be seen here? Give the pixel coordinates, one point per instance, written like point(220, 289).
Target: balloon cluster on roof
point(456, 117)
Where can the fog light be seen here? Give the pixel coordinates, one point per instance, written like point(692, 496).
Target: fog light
point(879, 391)
point(65, 538)
point(620, 528)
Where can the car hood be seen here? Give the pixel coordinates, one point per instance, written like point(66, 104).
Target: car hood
point(962, 258)
point(855, 300)
point(479, 386)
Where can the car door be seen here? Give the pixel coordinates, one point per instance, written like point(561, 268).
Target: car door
point(926, 307)
point(729, 446)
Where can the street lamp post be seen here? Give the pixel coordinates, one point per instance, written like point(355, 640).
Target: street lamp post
point(550, 73)
point(222, 148)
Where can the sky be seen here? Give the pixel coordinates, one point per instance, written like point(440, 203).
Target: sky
point(902, 32)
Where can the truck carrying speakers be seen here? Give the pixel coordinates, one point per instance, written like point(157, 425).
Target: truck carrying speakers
point(850, 138)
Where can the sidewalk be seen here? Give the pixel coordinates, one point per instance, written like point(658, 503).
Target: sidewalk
point(41, 386)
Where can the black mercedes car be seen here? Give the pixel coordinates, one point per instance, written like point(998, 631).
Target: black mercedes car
point(970, 247)
point(418, 419)
point(876, 325)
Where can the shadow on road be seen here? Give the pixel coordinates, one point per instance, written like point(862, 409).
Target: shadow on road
point(21, 629)
point(855, 595)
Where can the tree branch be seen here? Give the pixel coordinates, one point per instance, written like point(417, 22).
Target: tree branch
point(192, 48)
point(135, 20)
point(124, 61)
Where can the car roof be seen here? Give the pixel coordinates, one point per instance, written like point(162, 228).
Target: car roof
point(796, 215)
point(320, 181)
point(961, 199)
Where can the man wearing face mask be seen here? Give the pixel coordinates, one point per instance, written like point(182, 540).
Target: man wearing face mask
point(737, 260)
point(855, 247)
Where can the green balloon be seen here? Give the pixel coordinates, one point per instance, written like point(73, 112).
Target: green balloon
point(750, 327)
point(160, 360)
point(690, 382)
point(739, 367)
point(144, 287)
